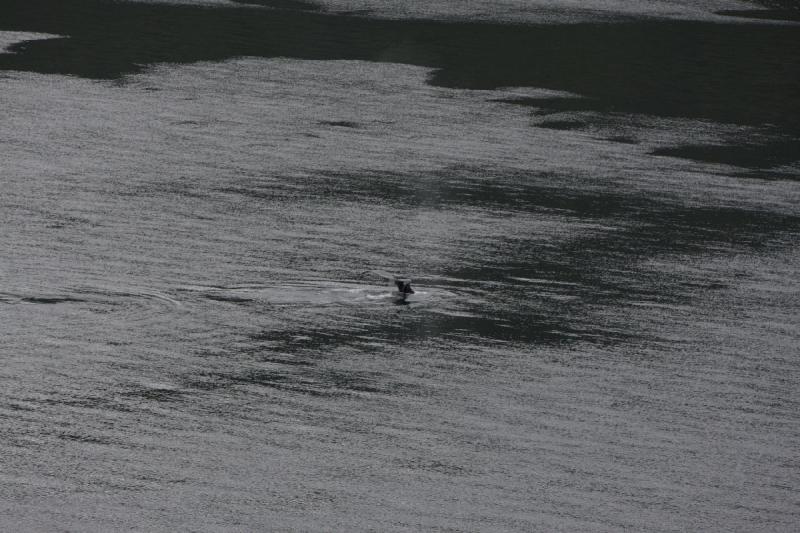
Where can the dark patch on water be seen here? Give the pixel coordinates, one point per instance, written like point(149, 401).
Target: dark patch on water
point(340, 123)
point(606, 271)
point(731, 73)
point(51, 300)
point(756, 155)
point(764, 14)
point(227, 298)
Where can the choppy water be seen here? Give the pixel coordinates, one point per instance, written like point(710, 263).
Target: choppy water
point(603, 242)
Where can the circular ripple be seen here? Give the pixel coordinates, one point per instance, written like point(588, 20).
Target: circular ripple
point(134, 303)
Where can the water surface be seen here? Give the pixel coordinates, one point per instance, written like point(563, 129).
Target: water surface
point(600, 220)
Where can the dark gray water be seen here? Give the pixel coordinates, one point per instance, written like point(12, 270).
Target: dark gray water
point(598, 207)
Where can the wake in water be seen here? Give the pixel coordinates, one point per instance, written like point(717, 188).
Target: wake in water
point(318, 292)
point(309, 293)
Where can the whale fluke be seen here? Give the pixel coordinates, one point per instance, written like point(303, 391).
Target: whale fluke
point(403, 286)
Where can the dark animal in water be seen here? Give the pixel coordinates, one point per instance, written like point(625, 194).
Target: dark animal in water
point(404, 286)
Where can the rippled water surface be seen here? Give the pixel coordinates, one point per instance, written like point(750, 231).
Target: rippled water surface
point(598, 209)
